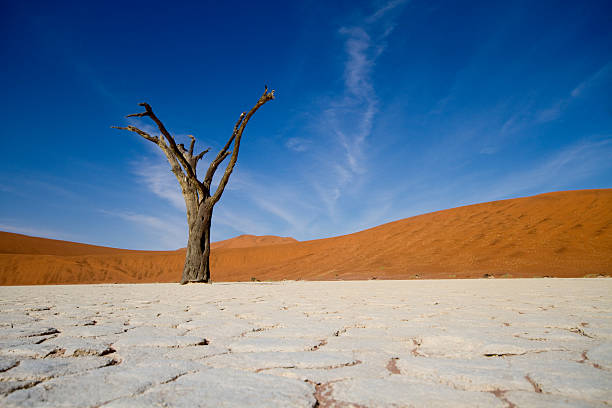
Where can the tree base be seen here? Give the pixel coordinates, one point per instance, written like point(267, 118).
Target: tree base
point(209, 281)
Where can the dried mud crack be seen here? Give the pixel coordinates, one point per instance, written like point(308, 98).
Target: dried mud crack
point(534, 384)
point(392, 366)
point(501, 395)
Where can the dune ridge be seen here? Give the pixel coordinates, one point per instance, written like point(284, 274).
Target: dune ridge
point(561, 234)
point(245, 241)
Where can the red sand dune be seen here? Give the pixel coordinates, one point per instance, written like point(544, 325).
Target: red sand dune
point(563, 234)
point(245, 241)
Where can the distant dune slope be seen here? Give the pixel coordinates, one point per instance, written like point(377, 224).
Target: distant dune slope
point(22, 244)
point(562, 234)
point(245, 241)
point(28, 260)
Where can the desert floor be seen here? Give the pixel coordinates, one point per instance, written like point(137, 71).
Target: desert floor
point(489, 343)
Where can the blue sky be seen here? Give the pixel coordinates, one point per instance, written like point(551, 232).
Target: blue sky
point(384, 110)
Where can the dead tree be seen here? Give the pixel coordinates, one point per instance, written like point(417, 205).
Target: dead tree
point(199, 200)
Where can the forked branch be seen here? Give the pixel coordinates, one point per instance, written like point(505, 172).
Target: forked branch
point(142, 133)
point(191, 159)
point(173, 147)
point(183, 161)
point(222, 155)
point(199, 156)
point(236, 137)
point(191, 145)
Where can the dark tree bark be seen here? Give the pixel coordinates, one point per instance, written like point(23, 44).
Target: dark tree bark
point(199, 200)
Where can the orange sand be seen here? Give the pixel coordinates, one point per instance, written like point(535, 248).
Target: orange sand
point(245, 241)
point(563, 234)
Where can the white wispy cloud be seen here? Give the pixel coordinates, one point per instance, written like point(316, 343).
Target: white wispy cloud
point(571, 164)
point(556, 109)
point(592, 80)
point(36, 231)
point(358, 47)
point(385, 9)
point(279, 210)
point(170, 231)
point(519, 117)
point(553, 112)
point(285, 201)
point(156, 175)
point(489, 150)
point(237, 221)
point(376, 214)
point(350, 116)
point(298, 144)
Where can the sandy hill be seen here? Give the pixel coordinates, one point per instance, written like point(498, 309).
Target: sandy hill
point(11, 243)
point(244, 241)
point(562, 234)
point(26, 260)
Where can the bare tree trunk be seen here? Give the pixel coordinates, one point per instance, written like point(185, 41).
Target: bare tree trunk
point(197, 268)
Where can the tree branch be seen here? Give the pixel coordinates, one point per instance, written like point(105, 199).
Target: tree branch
point(191, 159)
point(142, 133)
point(138, 115)
point(222, 155)
point(175, 167)
point(191, 145)
point(184, 163)
point(199, 156)
point(174, 164)
point(172, 148)
point(237, 136)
